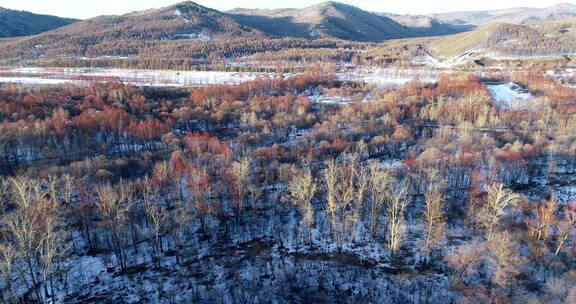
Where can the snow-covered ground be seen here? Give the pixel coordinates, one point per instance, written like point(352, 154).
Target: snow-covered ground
point(34, 80)
point(382, 78)
point(154, 78)
point(509, 94)
point(425, 59)
point(326, 99)
point(392, 77)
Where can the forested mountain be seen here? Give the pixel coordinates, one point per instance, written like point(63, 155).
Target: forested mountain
point(130, 34)
point(425, 26)
point(325, 20)
point(21, 23)
point(187, 34)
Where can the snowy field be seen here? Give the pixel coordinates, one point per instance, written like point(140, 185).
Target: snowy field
point(386, 78)
point(151, 78)
point(383, 78)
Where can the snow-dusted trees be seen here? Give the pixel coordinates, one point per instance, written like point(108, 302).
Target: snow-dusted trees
point(497, 201)
point(302, 188)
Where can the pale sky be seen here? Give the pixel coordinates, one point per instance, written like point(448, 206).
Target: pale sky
point(83, 9)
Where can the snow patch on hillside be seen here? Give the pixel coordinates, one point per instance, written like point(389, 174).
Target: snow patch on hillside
point(427, 60)
point(192, 36)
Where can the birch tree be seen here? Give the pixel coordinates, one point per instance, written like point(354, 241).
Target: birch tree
point(498, 200)
point(433, 209)
point(302, 188)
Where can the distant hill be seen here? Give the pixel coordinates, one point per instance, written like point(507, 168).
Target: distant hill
point(325, 20)
point(21, 23)
point(188, 31)
point(520, 15)
point(425, 26)
point(502, 40)
point(129, 34)
point(186, 20)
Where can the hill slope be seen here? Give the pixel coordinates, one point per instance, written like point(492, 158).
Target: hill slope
point(503, 40)
point(118, 35)
point(425, 26)
point(21, 23)
point(520, 15)
point(325, 20)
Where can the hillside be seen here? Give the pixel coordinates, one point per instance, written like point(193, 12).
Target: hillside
point(325, 20)
point(425, 26)
point(520, 15)
point(124, 35)
point(503, 40)
point(21, 23)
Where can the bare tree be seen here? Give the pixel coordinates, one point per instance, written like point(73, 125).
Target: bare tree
point(330, 179)
point(379, 179)
point(433, 209)
point(541, 225)
point(397, 201)
point(181, 215)
point(52, 244)
point(498, 199)
point(32, 231)
point(22, 226)
point(362, 177)
point(341, 198)
point(464, 258)
point(157, 216)
point(347, 186)
point(504, 258)
point(52, 187)
point(113, 205)
point(566, 226)
point(199, 186)
point(241, 175)
point(68, 183)
point(4, 189)
point(8, 258)
point(302, 188)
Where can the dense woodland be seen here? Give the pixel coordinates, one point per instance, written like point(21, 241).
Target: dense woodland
point(429, 193)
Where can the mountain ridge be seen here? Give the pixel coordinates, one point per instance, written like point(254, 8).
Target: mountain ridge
point(14, 23)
